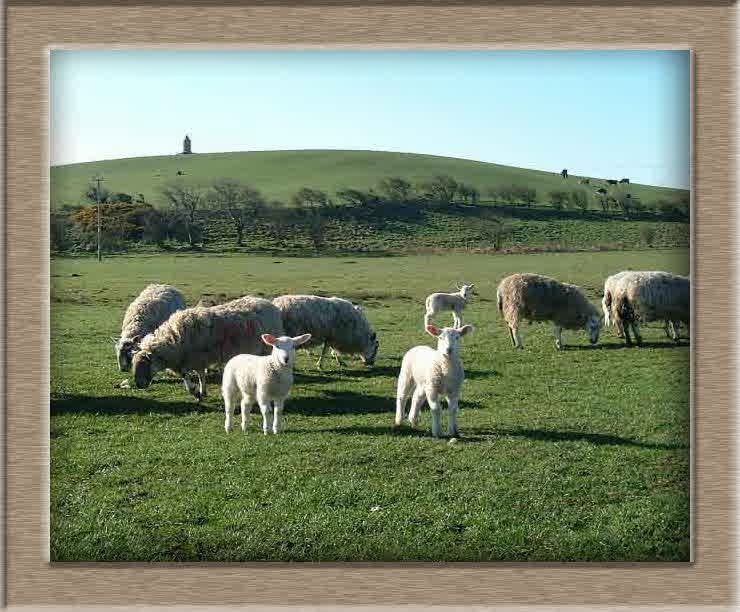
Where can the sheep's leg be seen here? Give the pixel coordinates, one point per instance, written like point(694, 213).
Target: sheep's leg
point(247, 403)
point(416, 402)
point(636, 329)
point(321, 357)
point(336, 356)
point(668, 328)
point(229, 405)
point(558, 331)
point(627, 339)
point(456, 319)
point(452, 407)
point(278, 420)
point(620, 329)
point(202, 383)
point(517, 338)
point(436, 408)
point(266, 410)
point(513, 339)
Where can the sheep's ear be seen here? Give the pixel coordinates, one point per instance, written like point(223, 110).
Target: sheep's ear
point(472, 285)
point(136, 339)
point(432, 330)
point(269, 339)
point(298, 340)
point(466, 329)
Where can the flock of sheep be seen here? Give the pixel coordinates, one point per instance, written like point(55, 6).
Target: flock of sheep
point(256, 338)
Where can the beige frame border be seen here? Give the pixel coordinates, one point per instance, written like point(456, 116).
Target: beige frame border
point(708, 29)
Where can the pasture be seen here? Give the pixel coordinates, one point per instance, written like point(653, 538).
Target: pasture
point(579, 455)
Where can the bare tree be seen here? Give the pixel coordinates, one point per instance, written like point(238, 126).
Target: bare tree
point(185, 201)
point(242, 204)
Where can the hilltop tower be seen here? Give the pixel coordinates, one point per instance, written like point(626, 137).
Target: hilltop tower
point(186, 144)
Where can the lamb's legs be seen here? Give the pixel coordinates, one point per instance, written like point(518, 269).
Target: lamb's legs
point(557, 330)
point(266, 410)
point(456, 319)
point(247, 403)
point(278, 420)
point(436, 408)
point(229, 406)
point(321, 357)
point(416, 401)
point(401, 398)
point(452, 406)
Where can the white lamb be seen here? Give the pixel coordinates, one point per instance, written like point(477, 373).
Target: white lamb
point(433, 374)
point(266, 380)
point(456, 302)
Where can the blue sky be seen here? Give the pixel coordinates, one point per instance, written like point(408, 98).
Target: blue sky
point(598, 113)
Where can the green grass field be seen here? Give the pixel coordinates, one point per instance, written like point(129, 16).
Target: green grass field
point(279, 174)
point(579, 455)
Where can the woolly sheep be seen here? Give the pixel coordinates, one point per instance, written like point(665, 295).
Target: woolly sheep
point(534, 297)
point(456, 302)
point(196, 338)
point(432, 374)
point(152, 307)
point(266, 380)
point(645, 296)
point(333, 321)
point(611, 286)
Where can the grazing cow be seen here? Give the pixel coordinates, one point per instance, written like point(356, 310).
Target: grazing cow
point(611, 181)
point(564, 173)
point(624, 180)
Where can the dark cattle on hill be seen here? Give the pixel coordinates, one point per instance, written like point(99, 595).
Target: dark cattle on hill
point(611, 181)
point(624, 180)
point(564, 173)
point(601, 191)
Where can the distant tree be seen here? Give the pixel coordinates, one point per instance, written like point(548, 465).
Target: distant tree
point(59, 231)
point(647, 235)
point(441, 189)
point(242, 204)
point(280, 220)
point(186, 201)
point(579, 199)
point(494, 231)
point(356, 197)
point(559, 199)
point(468, 193)
point(312, 199)
point(91, 192)
point(316, 226)
point(396, 189)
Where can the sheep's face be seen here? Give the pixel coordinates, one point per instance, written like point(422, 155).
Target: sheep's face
point(125, 349)
point(145, 366)
point(593, 327)
point(466, 291)
point(283, 348)
point(371, 350)
point(448, 338)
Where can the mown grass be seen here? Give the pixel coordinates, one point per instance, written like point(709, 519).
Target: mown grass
point(570, 456)
point(279, 174)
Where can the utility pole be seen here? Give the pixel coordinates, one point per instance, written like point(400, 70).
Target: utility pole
point(98, 179)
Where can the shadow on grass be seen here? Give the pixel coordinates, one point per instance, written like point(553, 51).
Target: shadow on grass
point(126, 404)
point(573, 436)
point(340, 403)
point(668, 344)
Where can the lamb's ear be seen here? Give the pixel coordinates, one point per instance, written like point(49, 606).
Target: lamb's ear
point(432, 330)
point(298, 340)
point(269, 339)
point(466, 329)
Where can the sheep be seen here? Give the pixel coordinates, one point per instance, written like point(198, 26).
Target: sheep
point(152, 307)
point(335, 322)
point(538, 298)
point(644, 296)
point(196, 338)
point(432, 374)
point(266, 380)
point(456, 302)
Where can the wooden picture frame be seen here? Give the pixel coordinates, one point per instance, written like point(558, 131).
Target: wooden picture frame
point(707, 28)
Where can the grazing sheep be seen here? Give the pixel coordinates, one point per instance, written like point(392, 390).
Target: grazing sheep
point(266, 380)
point(645, 296)
point(152, 307)
point(335, 322)
point(196, 338)
point(538, 298)
point(456, 302)
point(433, 374)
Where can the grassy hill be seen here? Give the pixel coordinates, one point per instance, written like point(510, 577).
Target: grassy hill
point(279, 174)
